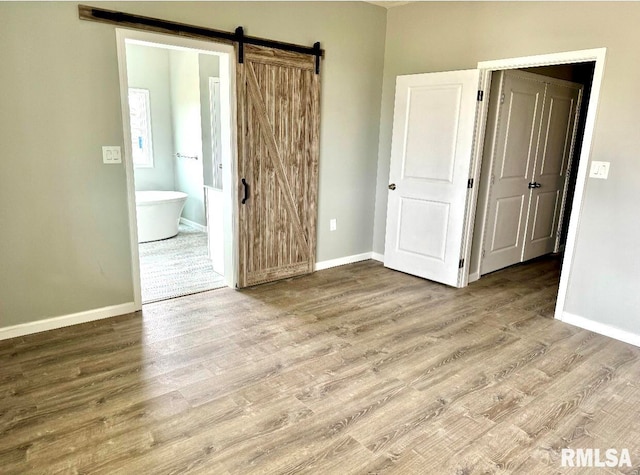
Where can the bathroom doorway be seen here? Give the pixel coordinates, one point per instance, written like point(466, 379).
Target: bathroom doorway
point(177, 119)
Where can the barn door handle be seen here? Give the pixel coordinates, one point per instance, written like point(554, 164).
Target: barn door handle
point(535, 184)
point(246, 191)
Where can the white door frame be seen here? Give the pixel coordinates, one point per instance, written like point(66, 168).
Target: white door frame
point(226, 53)
point(486, 68)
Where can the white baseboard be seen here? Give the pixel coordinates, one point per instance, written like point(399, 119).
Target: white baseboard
point(66, 320)
point(601, 328)
point(473, 276)
point(341, 261)
point(376, 256)
point(193, 224)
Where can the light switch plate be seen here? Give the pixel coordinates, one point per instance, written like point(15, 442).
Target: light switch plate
point(111, 154)
point(599, 170)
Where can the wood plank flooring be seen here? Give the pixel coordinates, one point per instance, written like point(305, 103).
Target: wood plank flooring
point(356, 369)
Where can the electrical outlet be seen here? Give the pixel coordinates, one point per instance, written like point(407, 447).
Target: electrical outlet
point(599, 170)
point(111, 154)
point(333, 224)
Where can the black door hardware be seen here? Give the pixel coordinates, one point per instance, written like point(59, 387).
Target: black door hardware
point(246, 191)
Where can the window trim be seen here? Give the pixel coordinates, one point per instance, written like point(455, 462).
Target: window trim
point(147, 159)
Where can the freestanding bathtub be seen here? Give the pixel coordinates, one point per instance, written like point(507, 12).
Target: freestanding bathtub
point(158, 214)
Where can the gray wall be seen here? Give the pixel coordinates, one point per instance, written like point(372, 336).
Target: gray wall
point(65, 239)
point(148, 68)
point(187, 135)
point(429, 37)
point(209, 67)
point(64, 245)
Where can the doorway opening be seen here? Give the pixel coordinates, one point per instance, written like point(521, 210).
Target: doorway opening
point(535, 130)
point(179, 124)
point(584, 68)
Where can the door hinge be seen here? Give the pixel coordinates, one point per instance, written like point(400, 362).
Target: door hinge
point(470, 183)
point(480, 96)
point(493, 179)
point(502, 98)
point(461, 264)
point(483, 253)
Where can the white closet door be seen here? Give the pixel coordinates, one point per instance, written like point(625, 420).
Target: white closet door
point(433, 131)
point(515, 146)
point(550, 173)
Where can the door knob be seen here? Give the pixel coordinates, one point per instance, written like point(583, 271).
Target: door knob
point(535, 184)
point(392, 186)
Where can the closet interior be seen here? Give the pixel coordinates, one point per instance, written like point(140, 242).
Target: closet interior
point(534, 134)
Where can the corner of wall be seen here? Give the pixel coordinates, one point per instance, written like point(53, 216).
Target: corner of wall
point(601, 328)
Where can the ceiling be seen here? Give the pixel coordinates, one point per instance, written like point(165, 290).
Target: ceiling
point(388, 4)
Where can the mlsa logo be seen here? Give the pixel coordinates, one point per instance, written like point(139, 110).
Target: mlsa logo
point(594, 458)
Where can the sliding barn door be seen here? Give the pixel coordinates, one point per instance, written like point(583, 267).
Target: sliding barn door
point(278, 135)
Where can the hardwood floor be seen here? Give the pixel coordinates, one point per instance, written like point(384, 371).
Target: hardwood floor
point(356, 369)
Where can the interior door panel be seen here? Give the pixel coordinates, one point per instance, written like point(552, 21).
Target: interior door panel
point(515, 148)
point(551, 168)
point(431, 151)
point(534, 139)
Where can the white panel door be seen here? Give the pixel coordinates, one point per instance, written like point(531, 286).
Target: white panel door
point(512, 168)
point(551, 167)
point(431, 150)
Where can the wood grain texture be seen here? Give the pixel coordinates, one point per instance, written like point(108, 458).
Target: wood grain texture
point(278, 121)
point(352, 370)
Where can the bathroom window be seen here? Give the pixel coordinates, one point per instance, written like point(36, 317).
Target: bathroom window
point(140, 118)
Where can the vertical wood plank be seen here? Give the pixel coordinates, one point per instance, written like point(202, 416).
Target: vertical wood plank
point(278, 144)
